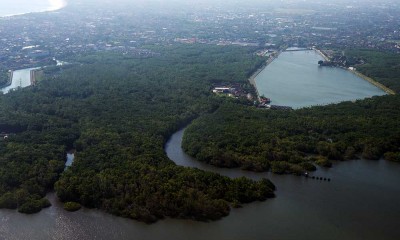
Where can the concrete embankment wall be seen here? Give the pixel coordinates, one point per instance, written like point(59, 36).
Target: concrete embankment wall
point(322, 54)
point(32, 77)
point(252, 79)
point(373, 82)
point(370, 80)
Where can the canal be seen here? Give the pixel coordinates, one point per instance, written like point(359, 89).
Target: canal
point(20, 79)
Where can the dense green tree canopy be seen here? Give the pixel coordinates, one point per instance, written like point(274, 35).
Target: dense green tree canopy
point(292, 141)
point(382, 66)
point(287, 141)
point(118, 112)
point(4, 77)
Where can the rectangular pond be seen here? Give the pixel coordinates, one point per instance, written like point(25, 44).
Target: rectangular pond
point(295, 79)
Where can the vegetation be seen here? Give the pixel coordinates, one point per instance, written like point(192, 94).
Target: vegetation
point(4, 77)
point(393, 156)
point(117, 112)
point(25, 202)
point(381, 66)
point(291, 142)
point(72, 206)
point(285, 142)
point(34, 206)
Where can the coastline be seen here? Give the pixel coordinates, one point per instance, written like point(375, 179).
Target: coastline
point(54, 6)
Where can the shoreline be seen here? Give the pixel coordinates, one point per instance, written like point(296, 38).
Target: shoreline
point(373, 82)
point(55, 6)
point(32, 79)
point(360, 75)
point(252, 78)
point(9, 82)
point(323, 55)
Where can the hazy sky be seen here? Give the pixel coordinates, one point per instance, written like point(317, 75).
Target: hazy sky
point(242, 2)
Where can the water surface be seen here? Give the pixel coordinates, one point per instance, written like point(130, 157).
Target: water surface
point(295, 79)
point(21, 78)
point(361, 202)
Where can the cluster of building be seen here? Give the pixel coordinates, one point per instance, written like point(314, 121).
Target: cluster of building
point(339, 60)
point(126, 30)
point(234, 90)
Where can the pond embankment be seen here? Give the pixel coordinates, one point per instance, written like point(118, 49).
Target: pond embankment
point(373, 82)
point(366, 78)
point(253, 77)
point(295, 79)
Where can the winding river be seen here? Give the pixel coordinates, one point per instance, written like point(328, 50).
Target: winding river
point(361, 202)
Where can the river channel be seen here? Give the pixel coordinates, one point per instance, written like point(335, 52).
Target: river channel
point(281, 82)
point(361, 202)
